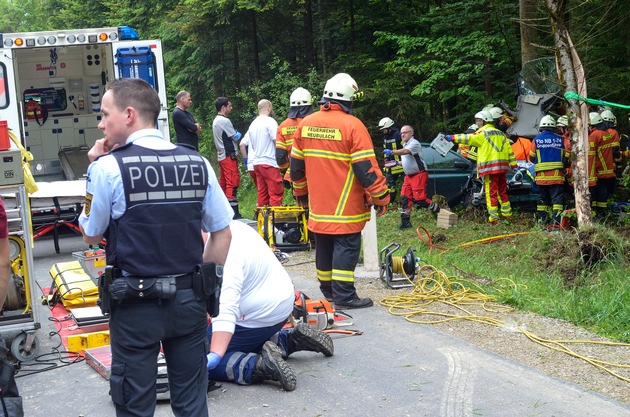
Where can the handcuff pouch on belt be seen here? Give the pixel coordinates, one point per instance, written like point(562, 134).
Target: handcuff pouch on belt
point(207, 280)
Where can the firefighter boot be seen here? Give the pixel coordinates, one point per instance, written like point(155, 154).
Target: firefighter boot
point(271, 367)
point(304, 337)
point(405, 221)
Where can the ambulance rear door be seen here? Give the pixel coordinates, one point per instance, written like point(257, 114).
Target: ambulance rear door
point(9, 100)
point(143, 59)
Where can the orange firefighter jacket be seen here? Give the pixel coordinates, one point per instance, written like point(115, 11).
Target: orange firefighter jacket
point(606, 152)
point(333, 155)
point(568, 171)
point(494, 154)
point(284, 141)
point(593, 140)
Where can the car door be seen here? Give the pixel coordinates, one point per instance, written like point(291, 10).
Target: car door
point(447, 174)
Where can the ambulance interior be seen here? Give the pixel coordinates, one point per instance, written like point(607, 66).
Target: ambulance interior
point(61, 90)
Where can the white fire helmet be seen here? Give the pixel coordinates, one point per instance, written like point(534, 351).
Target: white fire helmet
point(341, 87)
point(300, 97)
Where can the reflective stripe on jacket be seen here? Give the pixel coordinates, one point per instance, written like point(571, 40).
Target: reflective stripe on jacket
point(494, 154)
point(334, 156)
point(548, 153)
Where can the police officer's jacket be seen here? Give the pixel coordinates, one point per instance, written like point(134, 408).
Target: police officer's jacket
point(159, 233)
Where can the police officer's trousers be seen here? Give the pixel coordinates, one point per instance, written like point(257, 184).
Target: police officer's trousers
point(136, 329)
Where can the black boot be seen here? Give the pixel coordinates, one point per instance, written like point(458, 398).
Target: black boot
point(405, 221)
point(304, 337)
point(271, 367)
point(234, 205)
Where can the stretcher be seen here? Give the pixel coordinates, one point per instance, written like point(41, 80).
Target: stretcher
point(54, 204)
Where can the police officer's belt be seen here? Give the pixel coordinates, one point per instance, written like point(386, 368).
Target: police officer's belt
point(149, 288)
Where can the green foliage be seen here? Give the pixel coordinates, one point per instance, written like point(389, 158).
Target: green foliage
point(596, 298)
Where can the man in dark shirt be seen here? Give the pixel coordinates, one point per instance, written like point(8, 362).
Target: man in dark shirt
point(186, 129)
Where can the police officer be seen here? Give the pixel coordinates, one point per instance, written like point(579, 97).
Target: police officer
point(150, 199)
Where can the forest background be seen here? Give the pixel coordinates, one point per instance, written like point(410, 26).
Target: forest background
point(430, 64)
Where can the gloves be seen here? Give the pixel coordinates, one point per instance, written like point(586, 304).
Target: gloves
point(237, 136)
point(302, 200)
point(380, 210)
point(286, 184)
point(388, 153)
point(213, 360)
point(245, 162)
point(448, 137)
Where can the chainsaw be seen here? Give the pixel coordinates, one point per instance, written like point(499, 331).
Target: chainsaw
point(319, 314)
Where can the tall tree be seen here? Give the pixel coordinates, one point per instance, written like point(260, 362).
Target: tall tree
point(527, 20)
point(571, 74)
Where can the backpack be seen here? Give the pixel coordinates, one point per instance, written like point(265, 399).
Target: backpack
point(35, 111)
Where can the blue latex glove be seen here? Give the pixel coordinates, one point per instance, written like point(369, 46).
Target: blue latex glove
point(213, 360)
point(388, 152)
point(245, 162)
point(448, 137)
point(238, 136)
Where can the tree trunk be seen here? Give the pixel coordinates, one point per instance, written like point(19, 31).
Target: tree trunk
point(488, 86)
point(255, 53)
point(309, 47)
point(527, 17)
point(571, 74)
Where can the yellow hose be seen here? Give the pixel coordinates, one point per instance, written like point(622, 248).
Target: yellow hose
point(434, 286)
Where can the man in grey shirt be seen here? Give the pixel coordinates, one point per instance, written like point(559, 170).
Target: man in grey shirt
point(414, 189)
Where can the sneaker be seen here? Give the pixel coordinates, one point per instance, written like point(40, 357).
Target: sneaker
point(354, 303)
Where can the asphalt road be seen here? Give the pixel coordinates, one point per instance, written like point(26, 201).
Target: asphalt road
point(395, 368)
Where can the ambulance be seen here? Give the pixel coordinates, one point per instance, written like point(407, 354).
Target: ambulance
point(52, 83)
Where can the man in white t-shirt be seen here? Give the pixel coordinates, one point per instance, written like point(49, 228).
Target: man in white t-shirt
point(247, 341)
point(262, 139)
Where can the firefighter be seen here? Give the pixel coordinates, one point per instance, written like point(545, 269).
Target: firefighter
point(333, 151)
point(392, 140)
point(610, 122)
point(548, 154)
point(494, 160)
point(414, 189)
point(301, 105)
point(606, 153)
point(562, 124)
point(468, 151)
point(502, 120)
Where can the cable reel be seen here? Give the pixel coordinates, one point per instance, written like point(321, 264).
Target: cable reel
point(407, 265)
